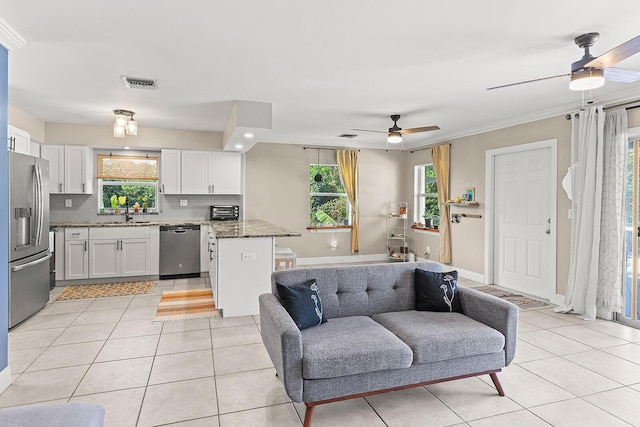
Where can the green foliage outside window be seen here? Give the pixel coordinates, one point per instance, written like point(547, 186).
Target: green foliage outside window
point(332, 208)
point(431, 207)
point(134, 193)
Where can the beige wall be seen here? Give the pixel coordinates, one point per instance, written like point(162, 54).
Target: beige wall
point(468, 170)
point(25, 121)
point(277, 191)
point(102, 136)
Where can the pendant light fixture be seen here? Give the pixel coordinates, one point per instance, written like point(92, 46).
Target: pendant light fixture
point(318, 177)
point(124, 125)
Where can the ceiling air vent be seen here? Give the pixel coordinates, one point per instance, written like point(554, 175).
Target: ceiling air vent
point(347, 135)
point(139, 83)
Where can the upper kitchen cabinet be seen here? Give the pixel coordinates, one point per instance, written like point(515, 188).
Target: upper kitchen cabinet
point(70, 168)
point(18, 140)
point(200, 172)
point(196, 176)
point(227, 173)
point(170, 171)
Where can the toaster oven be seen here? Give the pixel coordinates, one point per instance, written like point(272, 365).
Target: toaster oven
point(218, 213)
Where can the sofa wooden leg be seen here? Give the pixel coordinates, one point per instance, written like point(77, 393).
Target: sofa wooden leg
point(308, 414)
point(496, 382)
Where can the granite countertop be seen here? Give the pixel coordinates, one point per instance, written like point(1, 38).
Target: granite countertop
point(222, 229)
point(249, 228)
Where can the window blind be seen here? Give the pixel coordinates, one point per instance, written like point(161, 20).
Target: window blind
point(127, 167)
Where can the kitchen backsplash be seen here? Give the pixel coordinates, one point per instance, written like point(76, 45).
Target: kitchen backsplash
point(84, 208)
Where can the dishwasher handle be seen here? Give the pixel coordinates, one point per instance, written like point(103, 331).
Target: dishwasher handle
point(179, 231)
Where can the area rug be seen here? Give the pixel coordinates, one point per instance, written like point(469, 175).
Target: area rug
point(519, 300)
point(103, 290)
point(185, 305)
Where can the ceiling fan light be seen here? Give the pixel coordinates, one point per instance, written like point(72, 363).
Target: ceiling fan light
point(587, 79)
point(394, 138)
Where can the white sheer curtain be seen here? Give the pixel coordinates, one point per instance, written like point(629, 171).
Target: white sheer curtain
point(589, 160)
point(611, 274)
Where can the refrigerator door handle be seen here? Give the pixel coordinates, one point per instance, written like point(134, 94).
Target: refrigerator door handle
point(32, 263)
point(39, 204)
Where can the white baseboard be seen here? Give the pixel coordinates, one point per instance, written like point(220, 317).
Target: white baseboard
point(341, 259)
point(5, 378)
point(557, 299)
point(471, 275)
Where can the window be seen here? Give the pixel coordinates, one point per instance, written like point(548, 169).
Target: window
point(426, 196)
point(132, 177)
point(328, 203)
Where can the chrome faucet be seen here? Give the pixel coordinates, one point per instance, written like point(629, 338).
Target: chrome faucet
point(127, 215)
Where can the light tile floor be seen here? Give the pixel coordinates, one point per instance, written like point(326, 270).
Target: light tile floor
point(216, 372)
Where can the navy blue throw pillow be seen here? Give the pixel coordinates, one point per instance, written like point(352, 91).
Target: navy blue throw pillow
point(437, 291)
point(302, 302)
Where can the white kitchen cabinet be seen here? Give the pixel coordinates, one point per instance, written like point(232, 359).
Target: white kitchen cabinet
point(120, 252)
point(170, 171)
point(34, 149)
point(213, 262)
point(70, 168)
point(78, 169)
point(18, 140)
point(226, 169)
point(104, 259)
point(204, 248)
point(196, 173)
point(200, 172)
point(55, 155)
point(76, 253)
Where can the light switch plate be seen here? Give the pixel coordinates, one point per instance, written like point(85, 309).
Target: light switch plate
point(67, 203)
point(183, 203)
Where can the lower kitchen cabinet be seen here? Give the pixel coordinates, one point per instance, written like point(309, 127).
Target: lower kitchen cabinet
point(119, 257)
point(120, 252)
point(76, 253)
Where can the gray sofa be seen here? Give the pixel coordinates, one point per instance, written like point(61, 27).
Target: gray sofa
point(374, 341)
point(75, 414)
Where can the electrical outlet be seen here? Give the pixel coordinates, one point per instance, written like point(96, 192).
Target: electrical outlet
point(248, 256)
point(183, 202)
point(570, 214)
point(67, 203)
point(427, 250)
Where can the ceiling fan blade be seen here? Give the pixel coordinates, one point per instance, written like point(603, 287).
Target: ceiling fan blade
point(369, 130)
point(416, 130)
point(621, 75)
point(528, 81)
point(615, 55)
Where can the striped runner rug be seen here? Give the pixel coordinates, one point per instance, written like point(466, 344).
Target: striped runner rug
point(185, 305)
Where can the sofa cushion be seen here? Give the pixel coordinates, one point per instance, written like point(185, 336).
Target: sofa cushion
point(435, 336)
point(351, 345)
point(302, 302)
point(437, 291)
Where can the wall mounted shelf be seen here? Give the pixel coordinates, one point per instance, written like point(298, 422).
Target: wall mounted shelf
point(463, 204)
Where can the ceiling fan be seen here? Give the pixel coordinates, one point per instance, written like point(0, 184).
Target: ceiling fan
point(590, 72)
point(394, 133)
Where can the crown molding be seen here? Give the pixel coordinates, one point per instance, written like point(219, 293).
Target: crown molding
point(9, 37)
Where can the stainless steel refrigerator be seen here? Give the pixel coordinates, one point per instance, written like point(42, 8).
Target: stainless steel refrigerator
point(28, 236)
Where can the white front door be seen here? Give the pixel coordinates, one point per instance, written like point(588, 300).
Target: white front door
point(523, 234)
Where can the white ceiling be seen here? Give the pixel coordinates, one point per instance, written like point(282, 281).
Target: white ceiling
point(325, 66)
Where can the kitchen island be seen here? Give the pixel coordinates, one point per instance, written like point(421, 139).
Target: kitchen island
point(241, 255)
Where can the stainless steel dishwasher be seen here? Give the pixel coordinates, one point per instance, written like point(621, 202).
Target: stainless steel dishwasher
point(179, 251)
